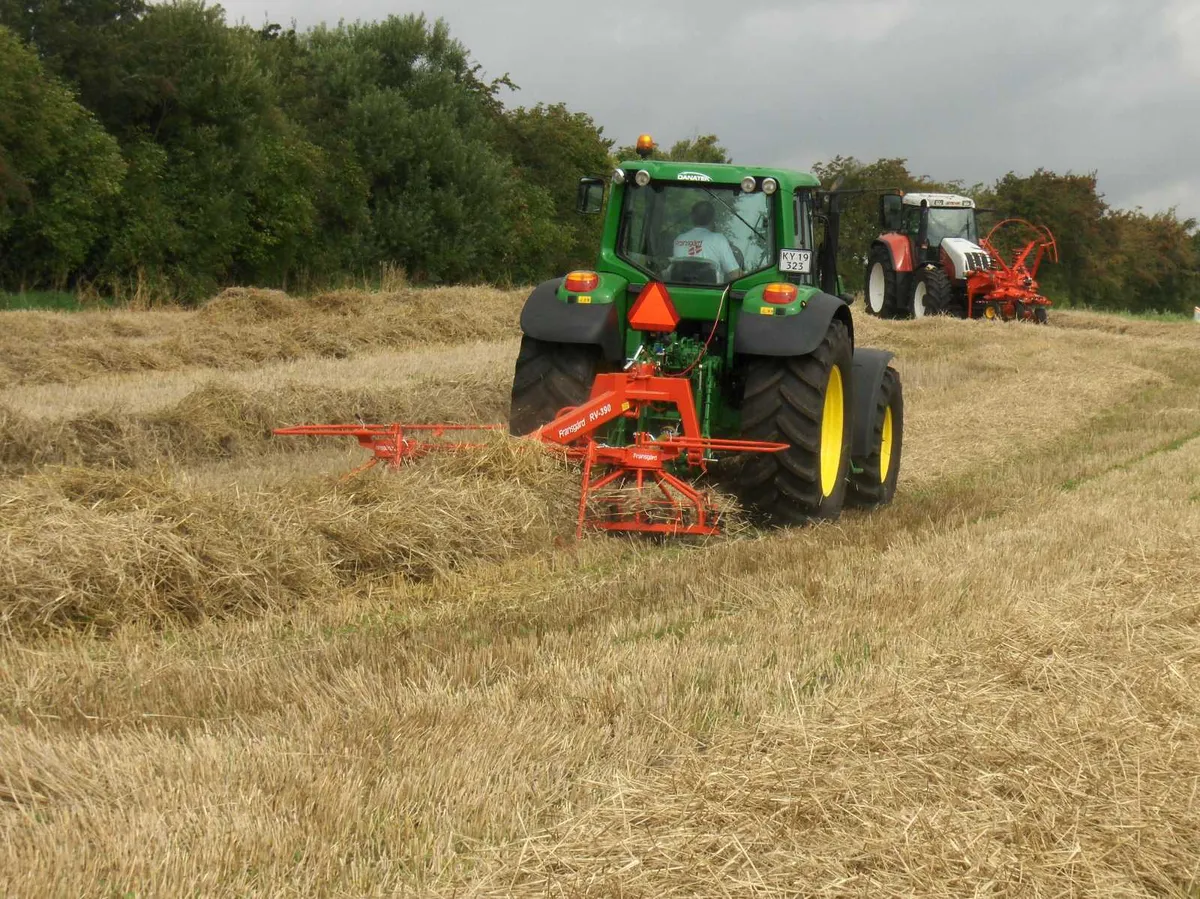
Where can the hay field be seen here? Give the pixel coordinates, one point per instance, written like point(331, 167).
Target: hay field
point(223, 673)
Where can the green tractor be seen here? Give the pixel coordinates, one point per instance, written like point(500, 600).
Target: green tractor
point(713, 274)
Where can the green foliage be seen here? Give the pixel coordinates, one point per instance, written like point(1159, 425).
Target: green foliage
point(222, 183)
point(84, 42)
point(552, 149)
point(41, 299)
point(1159, 260)
point(705, 148)
point(402, 101)
point(59, 171)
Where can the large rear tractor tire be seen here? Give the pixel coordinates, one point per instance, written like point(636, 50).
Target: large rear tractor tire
point(549, 377)
point(881, 284)
point(932, 293)
point(804, 401)
point(874, 484)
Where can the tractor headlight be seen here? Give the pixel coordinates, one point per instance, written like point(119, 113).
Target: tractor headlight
point(642, 178)
point(619, 176)
point(770, 185)
point(749, 184)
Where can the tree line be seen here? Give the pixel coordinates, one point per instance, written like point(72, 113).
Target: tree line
point(159, 148)
point(157, 143)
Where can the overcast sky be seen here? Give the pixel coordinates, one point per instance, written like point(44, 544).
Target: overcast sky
point(962, 90)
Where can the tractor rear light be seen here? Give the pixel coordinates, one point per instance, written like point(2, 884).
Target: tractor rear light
point(619, 176)
point(770, 185)
point(779, 294)
point(642, 178)
point(749, 184)
point(582, 282)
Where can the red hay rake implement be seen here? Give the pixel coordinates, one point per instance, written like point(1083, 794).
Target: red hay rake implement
point(1010, 291)
point(631, 488)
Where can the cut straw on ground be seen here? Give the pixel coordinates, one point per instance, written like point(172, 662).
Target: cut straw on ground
point(244, 327)
point(226, 674)
point(93, 549)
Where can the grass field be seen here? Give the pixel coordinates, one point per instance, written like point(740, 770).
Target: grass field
point(223, 673)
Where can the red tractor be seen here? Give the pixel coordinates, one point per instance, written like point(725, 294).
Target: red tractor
point(929, 260)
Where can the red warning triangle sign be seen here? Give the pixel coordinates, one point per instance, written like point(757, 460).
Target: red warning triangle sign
point(653, 310)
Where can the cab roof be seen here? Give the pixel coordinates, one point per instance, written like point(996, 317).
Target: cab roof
point(939, 200)
point(717, 173)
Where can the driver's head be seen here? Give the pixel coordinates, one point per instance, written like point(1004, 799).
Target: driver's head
point(703, 214)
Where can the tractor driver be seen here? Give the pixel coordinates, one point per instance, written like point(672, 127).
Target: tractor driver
point(701, 242)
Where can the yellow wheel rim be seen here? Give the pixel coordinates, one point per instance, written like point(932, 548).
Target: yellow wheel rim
point(833, 425)
point(885, 446)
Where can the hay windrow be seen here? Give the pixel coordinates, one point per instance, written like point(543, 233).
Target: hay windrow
point(222, 421)
point(986, 688)
point(250, 306)
point(1147, 327)
point(243, 327)
point(93, 548)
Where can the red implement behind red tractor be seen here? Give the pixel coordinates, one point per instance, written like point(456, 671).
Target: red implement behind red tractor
point(1010, 291)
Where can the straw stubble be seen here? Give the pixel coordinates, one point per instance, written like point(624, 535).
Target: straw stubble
point(224, 673)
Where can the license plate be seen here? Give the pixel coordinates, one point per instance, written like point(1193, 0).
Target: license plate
point(795, 262)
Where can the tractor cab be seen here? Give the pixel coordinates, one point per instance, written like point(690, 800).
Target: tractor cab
point(705, 227)
point(697, 232)
point(926, 219)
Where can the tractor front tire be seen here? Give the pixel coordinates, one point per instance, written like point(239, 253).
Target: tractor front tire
point(932, 293)
point(881, 284)
point(549, 377)
point(874, 484)
point(803, 401)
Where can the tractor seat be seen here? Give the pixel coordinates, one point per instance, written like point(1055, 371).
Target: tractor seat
point(693, 271)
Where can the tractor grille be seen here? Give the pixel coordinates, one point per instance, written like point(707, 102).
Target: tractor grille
point(978, 262)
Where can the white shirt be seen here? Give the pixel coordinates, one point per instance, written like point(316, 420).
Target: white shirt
point(700, 243)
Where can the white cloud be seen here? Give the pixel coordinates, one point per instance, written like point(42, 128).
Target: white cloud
point(1183, 18)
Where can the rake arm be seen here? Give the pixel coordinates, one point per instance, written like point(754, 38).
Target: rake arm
point(655, 500)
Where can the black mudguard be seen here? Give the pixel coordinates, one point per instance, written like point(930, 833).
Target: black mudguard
point(791, 335)
point(869, 366)
point(548, 318)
